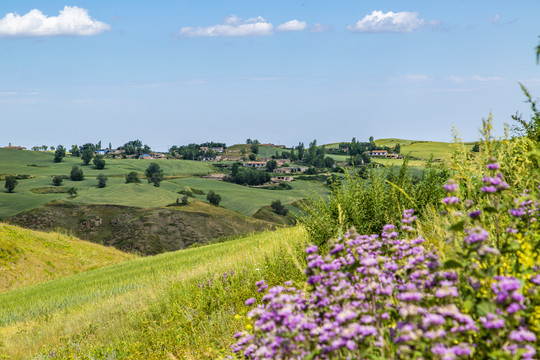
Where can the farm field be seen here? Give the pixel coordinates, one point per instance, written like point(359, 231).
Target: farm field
point(72, 305)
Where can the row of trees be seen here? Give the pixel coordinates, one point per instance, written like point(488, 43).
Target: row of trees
point(194, 151)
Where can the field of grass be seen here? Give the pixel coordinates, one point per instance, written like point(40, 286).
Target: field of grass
point(85, 314)
point(422, 149)
point(29, 257)
point(247, 200)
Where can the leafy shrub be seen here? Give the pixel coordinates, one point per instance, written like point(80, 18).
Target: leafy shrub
point(213, 198)
point(99, 162)
point(279, 208)
point(132, 177)
point(369, 204)
point(57, 180)
point(102, 180)
point(197, 191)
point(76, 174)
point(249, 177)
point(154, 174)
point(391, 297)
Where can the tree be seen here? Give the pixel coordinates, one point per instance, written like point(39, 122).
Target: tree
point(154, 174)
point(476, 147)
point(59, 154)
point(252, 157)
point(132, 177)
point(11, 182)
point(185, 200)
point(57, 180)
point(255, 148)
point(75, 151)
point(271, 165)
point(99, 162)
point(87, 155)
point(371, 140)
point(213, 198)
point(76, 174)
point(102, 181)
point(72, 192)
point(397, 148)
point(279, 208)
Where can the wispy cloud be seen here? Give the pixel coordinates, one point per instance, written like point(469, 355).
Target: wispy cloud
point(72, 21)
point(16, 93)
point(400, 22)
point(495, 19)
point(234, 26)
point(319, 28)
point(293, 25)
point(412, 78)
point(476, 78)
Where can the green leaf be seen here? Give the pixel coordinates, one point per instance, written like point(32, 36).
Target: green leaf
point(458, 226)
point(452, 264)
point(485, 307)
point(510, 247)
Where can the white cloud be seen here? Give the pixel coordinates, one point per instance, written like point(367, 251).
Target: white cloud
point(232, 26)
point(378, 21)
point(319, 28)
point(293, 25)
point(495, 19)
point(475, 78)
point(72, 21)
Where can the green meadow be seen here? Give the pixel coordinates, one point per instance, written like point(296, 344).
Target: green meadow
point(85, 314)
point(178, 174)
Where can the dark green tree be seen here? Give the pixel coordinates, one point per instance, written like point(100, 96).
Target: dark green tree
point(75, 151)
point(476, 147)
point(11, 182)
point(57, 180)
point(59, 154)
point(329, 162)
point(99, 162)
point(185, 200)
point(255, 148)
point(271, 165)
point(213, 198)
point(87, 156)
point(102, 181)
point(76, 173)
point(397, 148)
point(234, 169)
point(154, 174)
point(132, 177)
point(252, 157)
point(279, 208)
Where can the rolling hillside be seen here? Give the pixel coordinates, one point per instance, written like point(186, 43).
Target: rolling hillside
point(175, 305)
point(28, 257)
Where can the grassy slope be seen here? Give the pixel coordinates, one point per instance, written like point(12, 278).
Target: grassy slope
point(89, 310)
point(116, 192)
point(29, 257)
point(146, 231)
point(247, 200)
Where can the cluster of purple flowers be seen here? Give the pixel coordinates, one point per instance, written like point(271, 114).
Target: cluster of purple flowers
point(388, 296)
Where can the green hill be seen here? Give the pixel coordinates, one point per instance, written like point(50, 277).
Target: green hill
point(147, 231)
point(29, 257)
point(176, 305)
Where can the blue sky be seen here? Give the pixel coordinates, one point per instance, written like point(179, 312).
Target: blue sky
point(172, 72)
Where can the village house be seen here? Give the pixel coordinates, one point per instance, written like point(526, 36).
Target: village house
point(214, 149)
point(289, 170)
point(146, 157)
point(255, 164)
point(393, 156)
point(15, 147)
point(281, 162)
point(210, 158)
point(378, 153)
point(279, 179)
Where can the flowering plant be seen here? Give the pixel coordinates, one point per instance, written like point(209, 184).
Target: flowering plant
point(390, 297)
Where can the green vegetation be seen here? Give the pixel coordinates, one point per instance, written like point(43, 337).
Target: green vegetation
point(213, 198)
point(10, 184)
point(154, 174)
point(182, 304)
point(76, 174)
point(99, 162)
point(102, 180)
point(29, 257)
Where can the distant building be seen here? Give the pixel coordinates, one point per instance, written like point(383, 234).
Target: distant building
point(378, 153)
point(101, 152)
point(255, 164)
point(282, 179)
point(290, 170)
point(146, 157)
point(15, 147)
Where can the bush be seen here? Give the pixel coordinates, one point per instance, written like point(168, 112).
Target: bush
point(213, 198)
point(99, 162)
point(279, 208)
point(57, 180)
point(11, 182)
point(154, 174)
point(132, 177)
point(102, 180)
point(76, 174)
point(72, 192)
